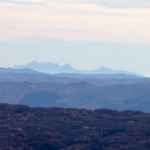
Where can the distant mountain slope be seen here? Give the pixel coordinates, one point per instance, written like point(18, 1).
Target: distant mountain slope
point(52, 68)
point(117, 91)
point(10, 74)
point(27, 75)
point(48, 67)
point(25, 128)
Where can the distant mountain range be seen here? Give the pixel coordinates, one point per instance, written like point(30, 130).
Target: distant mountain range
point(112, 91)
point(49, 68)
point(52, 68)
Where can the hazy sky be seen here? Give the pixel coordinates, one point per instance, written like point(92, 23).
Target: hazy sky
point(84, 33)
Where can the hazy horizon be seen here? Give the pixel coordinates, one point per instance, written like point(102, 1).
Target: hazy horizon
point(83, 33)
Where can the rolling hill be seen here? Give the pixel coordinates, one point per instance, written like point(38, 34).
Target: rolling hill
point(91, 91)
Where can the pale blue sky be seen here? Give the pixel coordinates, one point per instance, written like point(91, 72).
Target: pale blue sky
point(84, 33)
point(80, 54)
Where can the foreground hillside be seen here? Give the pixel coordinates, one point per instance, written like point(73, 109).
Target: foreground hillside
point(25, 128)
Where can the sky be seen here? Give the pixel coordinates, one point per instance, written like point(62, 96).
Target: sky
point(84, 33)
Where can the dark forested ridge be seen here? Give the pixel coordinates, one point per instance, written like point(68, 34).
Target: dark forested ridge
point(25, 128)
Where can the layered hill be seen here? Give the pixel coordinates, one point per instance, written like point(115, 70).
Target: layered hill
point(91, 91)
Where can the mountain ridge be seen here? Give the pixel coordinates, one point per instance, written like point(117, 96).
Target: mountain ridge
point(52, 68)
point(91, 91)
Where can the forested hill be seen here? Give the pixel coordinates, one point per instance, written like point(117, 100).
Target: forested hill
point(25, 128)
